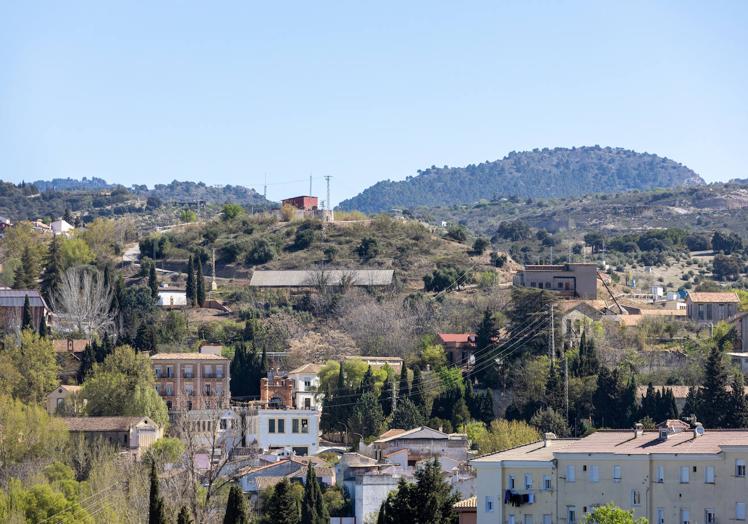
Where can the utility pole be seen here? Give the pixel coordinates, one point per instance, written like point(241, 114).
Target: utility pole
point(553, 338)
point(213, 283)
point(265, 188)
point(310, 185)
point(566, 385)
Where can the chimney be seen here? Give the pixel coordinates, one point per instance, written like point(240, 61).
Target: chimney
point(638, 430)
point(547, 437)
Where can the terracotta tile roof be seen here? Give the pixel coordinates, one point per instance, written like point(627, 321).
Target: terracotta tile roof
point(394, 452)
point(720, 296)
point(61, 345)
point(534, 451)
point(391, 433)
point(306, 369)
point(66, 387)
point(103, 423)
point(263, 483)
point(471, 503)
point(456, 338)
point(186, 356)
point(625, 443)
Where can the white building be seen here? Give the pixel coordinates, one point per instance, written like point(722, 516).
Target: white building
point(294, 429)
point(305, 385)
point(61, 227)
point(172, 297)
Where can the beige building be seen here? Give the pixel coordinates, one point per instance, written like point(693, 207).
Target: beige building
point(188, 381)
point(131, 434)
point(570, 280)
point(706, 307)
point(740, 321)
point(668, 476)
point(65, 400)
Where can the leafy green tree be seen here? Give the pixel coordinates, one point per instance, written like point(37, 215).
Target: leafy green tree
point(145, 338)
point(368, 248)
point(29, 433)
point(726, 242)
point(27, 319)
point(260, 252)
point(313, 510)
point(554, 389)
point(407, 415)
point(479, 404)
point(726, 267)
point(237, 508)
point(52, 274)
point(123, 385)
point(190, 290)
point(548, 420)
point(366, 418)
point(282, 506)
point(75, 252)
point(200, 287)
point(156, 506)
point(480, 245)
point(184, 517)
point(589, 363)
point(444, 278)
point(714, 399)
point(231, 211)
point(34, 367)
point(501, 434)
point(612, 514)
point(153, 282)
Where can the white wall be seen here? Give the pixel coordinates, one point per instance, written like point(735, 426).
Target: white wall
point(370, 492)
point(288, 438)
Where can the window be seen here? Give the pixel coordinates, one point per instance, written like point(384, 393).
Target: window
point(594, 473)
point(224, 423)
point(547, 483)
point(660, 474)
point(571, 474)
point(219, 371)
point(740, 468)
point(510, 519)
point(709, 475)
point(305, 425)
point(307, 384)
point(187, 371)
point(528, 481)
point(61, 402)
point(636, 497)
point(511, 481)
point(307, 403)
point(208, 371)
point(169, 371)
point(709, 516)
point(547, 519)
point(169, 390)
point(660, 516)
point(157, 371)
point(571, 514)
point(489, 504)
point(616, 473)
point(685, 517)
point(740, 511)
point(271, 425)
point(528, 519)
point(188, 390)
point(281, 425)
point(684, 474)
point(294, 425)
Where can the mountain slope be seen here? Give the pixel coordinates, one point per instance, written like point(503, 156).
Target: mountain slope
point(558, 172)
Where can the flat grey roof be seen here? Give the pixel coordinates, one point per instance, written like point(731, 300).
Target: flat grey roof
point(16, 297)
point(330, 277)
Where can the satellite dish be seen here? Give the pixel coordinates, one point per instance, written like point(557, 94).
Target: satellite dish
point(699, 430)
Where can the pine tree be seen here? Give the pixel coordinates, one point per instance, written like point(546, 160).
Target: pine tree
point(156, 507)
point(153, 281)
point(367, 417)
point(737, 414)
point(190, 293)
point(52, 275)
point(604, 400)
point(367, 382)
point(692, 405)
point(404, 388)
point(313, 510)
point(184, 516)
point(387, 397)
point(237, 508)
point(27, 319)
point(406, 415)
point(484, 339)
point(200, 284)
point(282, 507)
point(145, 338)
point(714, 396)
point(418, 393)
point(27, 272)
point(43, 329)
point(588, 361)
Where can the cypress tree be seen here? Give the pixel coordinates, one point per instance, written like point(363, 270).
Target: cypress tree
point(52, 275)
point(43, 329)
point(27, 272)
point(484, 338)
point(404, 388)
point(629, 407)
point(190, 289)
point(714, 397)
point(418, 394)
point(27, 319)
point(604, 399)
point(648, 404)
point(184, 516)
point(313, 510)
point(387, 397)
point(88, 359)
point(367, 417)
point(282, 507)
point(237, 509)
point(153, 281)
point(737, 414)
point(692, 405)
point(156, 508)
point(367, 383)
point(200, 284)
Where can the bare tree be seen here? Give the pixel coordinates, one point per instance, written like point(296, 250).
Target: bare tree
point(83, 302)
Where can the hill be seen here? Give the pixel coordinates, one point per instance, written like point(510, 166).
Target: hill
point(541, 173)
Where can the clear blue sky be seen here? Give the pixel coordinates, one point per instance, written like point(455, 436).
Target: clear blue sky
point(226, 92)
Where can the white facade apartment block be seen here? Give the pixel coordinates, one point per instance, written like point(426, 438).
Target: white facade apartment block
point(295, 429)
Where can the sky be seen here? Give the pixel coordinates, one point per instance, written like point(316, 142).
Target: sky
point(233, 92)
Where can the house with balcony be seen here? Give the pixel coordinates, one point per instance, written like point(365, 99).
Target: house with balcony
point(192, 381)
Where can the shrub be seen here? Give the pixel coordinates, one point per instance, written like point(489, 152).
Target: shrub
point(260, 252)
point(368, 248)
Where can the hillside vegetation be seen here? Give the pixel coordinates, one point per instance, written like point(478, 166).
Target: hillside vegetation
point(541, 173)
